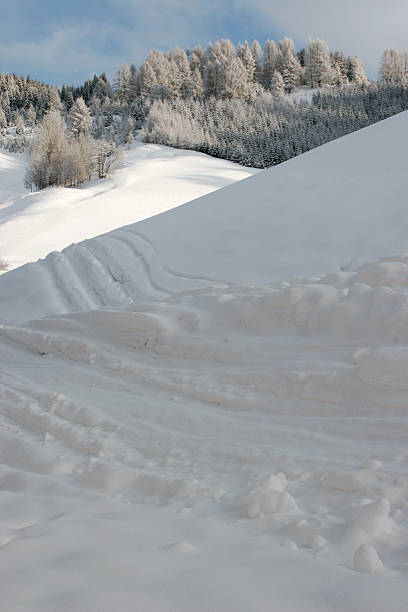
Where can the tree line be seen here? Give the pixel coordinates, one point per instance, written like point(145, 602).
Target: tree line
point(227, 101)
point(269, 131)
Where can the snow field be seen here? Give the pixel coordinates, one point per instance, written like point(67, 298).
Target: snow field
point(216, 422)
point(240, 405)
point(151, 180)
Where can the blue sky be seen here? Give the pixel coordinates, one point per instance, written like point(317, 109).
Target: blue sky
point(58, 41)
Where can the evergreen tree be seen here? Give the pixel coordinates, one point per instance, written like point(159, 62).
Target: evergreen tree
point(340, 66)
point(81, 121)
point(357, 71)
point(257, 53)
point(133, 84)
point(120, 84)
point(277, 86)
point(3, 120)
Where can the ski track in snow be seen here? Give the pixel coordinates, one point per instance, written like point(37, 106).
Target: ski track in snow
point(272, 409)
point(191, 444)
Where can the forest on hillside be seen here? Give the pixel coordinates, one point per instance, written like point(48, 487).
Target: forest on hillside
point(234, 103)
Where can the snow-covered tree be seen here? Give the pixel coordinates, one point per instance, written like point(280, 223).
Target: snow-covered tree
point(277, 85)
point(20, 125)
point(271, 61)
point(31, 116)
point(357, 73)
point(235, 79)
point(247, 58)
point(3, 120)
point(133, 84)
point(340, 66)
point(105, 156)
point(57, 159)
point(289, 65)
point(81, 121)
point(225, 75)
point(182, 66)
point(147, 79)
point(120, 84)
point(392, 69)
point(48, 152)
point(404, 57)
point(318, 70)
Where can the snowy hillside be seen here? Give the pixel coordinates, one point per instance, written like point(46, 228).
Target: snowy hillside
point(334, 208)
point(194, 426)
point(152, 180)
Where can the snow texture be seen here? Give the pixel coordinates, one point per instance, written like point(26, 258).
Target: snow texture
point(206, 408)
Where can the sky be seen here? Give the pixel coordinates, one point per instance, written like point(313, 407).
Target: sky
point(67, 42)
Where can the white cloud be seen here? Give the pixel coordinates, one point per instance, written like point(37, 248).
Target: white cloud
point(357, 27)
point(70, 49)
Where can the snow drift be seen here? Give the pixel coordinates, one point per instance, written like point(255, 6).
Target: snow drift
point(334, 208)
point(213, 406)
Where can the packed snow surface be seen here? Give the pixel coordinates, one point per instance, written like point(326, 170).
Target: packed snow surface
point(215, 418)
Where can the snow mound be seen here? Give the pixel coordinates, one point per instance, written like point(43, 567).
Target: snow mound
point(367, 561)
point(372, 518)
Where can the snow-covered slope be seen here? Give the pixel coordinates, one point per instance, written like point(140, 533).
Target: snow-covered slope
point(152, 179)
point(339, 205)
point(206, 445)
point(11, 174)
point(336, 207)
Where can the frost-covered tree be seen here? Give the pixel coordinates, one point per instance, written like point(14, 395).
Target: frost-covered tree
point(31, 116)
point(106, 154)
point(184, 78)
point(47, 160)
point(247, 58)
point(392, 68)
point(257, 53)
point(81, 121)
point(404, 58)
point(121, 82)
point(127, 129)
point(3, 120)
point(289, 65)
point(340, 66)
point(269, 130)
point(197, 87)
point(56, 159)
point(318, 70)
point(271, 62)
point(235, 79)
point(357, 73)
point(133, 84)
point(147, 79)
point(225, 75)
point(277, 85)
point(20, 125)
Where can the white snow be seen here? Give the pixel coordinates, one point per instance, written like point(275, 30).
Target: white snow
point(211, 413)
point(366, 560)
point(152, 179)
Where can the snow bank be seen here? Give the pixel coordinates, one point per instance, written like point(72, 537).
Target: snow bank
point(327, 211)
point(153, 179)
